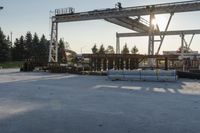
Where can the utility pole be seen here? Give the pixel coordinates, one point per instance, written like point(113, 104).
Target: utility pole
point(11, 35)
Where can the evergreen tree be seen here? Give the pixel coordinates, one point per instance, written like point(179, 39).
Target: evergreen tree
point(28, 45)
point(101, 49)
point(125, 50)
point(44, 48)
point(18, 50)
point(61, 50)
point(4, 47)
point(94, 49)
point(110, 50)
point(36, 47)
point(134, 50)
point(14, 50)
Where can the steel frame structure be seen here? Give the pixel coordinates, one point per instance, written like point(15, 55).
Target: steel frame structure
point(162, 35)
point(123, 17)
point(53, 48)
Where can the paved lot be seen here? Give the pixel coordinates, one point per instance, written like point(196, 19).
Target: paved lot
point(63, 103)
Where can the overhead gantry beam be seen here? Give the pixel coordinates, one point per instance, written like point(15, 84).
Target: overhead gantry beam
point(120, 14)
point(129, 23)
point(165, 8)
point(178, 32)
point(182, 33)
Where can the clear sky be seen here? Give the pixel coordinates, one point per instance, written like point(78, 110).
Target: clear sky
point(20, 16)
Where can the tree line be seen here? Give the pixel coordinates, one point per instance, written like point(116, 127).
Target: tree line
point(31, 46)
point(26, 47)
point(110, 50)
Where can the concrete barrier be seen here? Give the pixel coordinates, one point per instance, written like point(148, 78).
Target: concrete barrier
point(143, 75)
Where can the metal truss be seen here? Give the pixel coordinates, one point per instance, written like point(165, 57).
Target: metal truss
point(130, 18)
point(176, 7)
point(168, 33)
point(53, 48)
point(182, 34)
point(162, 37)
point(129, 23)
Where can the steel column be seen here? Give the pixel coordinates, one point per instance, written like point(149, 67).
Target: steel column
point(117, 44)
point(53, 48)
point(163, 36)
point(151, 35)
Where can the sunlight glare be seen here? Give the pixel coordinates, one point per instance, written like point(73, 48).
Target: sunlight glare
point(161, 20)
point(154, 22)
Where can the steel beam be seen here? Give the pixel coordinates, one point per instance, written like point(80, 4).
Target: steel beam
point(53, 48)
point(168, 33)
point(191, 41)
point(151, 35)
point(163, 36)
point(182, 45)
point(119, 13)
point(129, 23)
point(117, 45)
point(177, 7)
point(123, 24)
point(136, 23)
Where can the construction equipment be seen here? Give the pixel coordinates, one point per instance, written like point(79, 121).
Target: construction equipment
point(123, 17)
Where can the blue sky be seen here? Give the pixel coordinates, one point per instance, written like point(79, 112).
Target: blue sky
point(20, 16)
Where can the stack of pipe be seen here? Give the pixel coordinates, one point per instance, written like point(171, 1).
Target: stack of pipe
point(143, 75)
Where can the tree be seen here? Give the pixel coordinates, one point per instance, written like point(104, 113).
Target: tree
point(134, 50)
point(4, 47)
point(28, 45)
point(101, 49)
point(125, 50)
point(110, 50)
point(14, 50)
point(61, 51)
point(44, 48)
point(36, 46)
point(94, 49)
point(18, 50)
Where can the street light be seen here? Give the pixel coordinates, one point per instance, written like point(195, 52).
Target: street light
point(1, 7)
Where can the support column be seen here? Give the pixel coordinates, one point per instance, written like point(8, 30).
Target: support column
point(117, 44)
point(182, 45)
point(166, 63)
point(53, 47)
point(163, 37)
point(182, 51)
point(151, 35)
point(151, 38)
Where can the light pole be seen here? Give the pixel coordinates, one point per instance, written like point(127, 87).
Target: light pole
point(83, 48)
point(1, 7)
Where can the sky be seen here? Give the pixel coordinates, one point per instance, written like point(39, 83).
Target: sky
point(21, 16)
